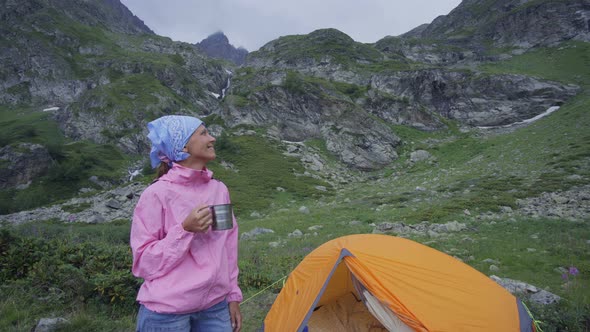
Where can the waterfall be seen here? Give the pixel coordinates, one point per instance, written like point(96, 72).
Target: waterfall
point(228, 83)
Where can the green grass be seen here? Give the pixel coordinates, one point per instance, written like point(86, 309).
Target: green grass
point(23, 125)
point(261, 169)
point(568, 63)
point(132, 96)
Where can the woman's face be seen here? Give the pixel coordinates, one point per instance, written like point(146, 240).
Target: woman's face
point(201, 146)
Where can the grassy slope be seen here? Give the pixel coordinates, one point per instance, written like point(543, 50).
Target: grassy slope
point(475, 173)
point(259, 169)
point(472, 172)
point(73, 164)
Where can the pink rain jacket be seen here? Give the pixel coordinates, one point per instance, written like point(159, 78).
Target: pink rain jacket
point(183, 272)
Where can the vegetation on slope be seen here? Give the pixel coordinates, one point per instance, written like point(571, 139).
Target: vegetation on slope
point(73, 163)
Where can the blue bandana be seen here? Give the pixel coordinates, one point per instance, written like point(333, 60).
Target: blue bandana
point(169, 135)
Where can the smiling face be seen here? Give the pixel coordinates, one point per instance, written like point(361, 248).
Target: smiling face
point(200, 147)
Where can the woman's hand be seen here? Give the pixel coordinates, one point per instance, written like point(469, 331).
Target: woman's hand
point(199, 220)
point(236, 316)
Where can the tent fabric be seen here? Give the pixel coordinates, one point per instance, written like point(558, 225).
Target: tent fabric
point(425, 288)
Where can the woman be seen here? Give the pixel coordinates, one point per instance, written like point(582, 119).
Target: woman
point(190, 272)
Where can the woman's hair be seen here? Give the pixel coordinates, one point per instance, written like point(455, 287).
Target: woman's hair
point(162, 169)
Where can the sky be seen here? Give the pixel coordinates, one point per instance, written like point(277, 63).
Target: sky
point(253, 23)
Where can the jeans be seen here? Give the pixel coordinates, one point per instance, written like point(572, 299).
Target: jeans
point(214, 319)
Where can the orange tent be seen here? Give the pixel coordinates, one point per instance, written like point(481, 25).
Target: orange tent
point(405, 285)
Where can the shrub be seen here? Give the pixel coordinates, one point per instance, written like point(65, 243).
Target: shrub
point(116, 287)
point(66, 272)
point(177, 59)
point(294, 83)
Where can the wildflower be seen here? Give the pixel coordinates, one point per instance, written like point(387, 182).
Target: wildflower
point(573, 271)
point(564, 276)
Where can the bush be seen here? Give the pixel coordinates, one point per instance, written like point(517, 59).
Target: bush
point(294, 83)
point(65, 272)
point(116, 287)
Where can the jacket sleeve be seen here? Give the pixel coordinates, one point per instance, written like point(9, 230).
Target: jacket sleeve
point(235, 294)
point(155, 252)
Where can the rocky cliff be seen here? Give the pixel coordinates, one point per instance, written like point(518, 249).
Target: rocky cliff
point(522, 23)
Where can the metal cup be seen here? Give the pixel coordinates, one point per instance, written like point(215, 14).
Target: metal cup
point(222, 217)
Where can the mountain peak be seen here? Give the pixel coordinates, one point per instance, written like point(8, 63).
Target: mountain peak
point(217, 46)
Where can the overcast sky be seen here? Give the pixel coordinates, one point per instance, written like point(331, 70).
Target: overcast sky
point(253, 23)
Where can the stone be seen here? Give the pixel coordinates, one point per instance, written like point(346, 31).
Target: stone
point(255, 232)
point(304, 210)
point(544, 297)
point(113, 204)
point(419, 155)
point(321, 188)
point(505, 209)
point(50, 324)
point(455, 226)
point(95, 219)
point(295, 233)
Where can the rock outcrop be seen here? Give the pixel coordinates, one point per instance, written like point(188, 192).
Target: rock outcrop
point(472, 99)
point(21, 164)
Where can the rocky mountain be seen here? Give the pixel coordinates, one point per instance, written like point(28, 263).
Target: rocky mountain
point(401, 90)
point(99, 74)
point(522, 24)
point(217, 46)
point(90, 73)
point(476, 29)
point(100, 83)
point(110, 15)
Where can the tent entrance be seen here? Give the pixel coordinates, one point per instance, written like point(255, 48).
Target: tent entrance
point(347, 305)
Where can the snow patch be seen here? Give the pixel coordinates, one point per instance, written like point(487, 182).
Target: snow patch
point(531, 120)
